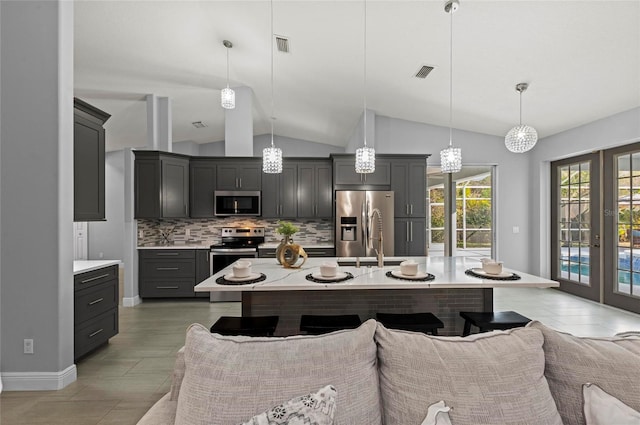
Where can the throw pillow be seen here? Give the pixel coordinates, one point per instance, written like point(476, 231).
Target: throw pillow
point(601, 408)
point(490, 378)
point(312, 409)
point(570, 361)
point(228, 379)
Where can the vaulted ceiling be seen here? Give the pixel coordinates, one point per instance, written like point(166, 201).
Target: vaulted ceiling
point(581, 59)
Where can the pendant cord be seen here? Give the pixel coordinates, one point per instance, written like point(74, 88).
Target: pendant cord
point(365, 72)
point(272, 97)
point(520, 107)
point(227, 67)
point(451, 80)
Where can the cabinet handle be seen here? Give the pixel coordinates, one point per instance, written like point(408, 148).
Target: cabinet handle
point(319, 252)
point(94, 278)
point(166, 254)
point(167, 268)
point(406, 209)
point(166, 287)
point(240, 179)
point(99, 300)
point(407, 229)
point(91, 335)
point(411, 227)
point(411, 209)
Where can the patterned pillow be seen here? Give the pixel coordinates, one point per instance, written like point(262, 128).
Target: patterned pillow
point(312, 409)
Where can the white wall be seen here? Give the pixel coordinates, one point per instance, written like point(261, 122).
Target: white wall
point(616, 130)
point(294, 147)
point(36, 247)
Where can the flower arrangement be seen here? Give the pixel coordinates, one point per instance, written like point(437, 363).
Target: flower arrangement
point(286, 228)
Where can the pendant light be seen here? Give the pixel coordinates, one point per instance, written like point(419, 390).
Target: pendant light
point(522, 137)
point(365, 155)
point(272, 156)
point(451, 158)
point(227, 95)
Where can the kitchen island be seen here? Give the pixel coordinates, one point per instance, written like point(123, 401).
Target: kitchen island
point(288, 293)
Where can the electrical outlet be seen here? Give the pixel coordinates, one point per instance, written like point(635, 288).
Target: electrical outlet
point(187, 232)
point(28, 346)
point(141, 234)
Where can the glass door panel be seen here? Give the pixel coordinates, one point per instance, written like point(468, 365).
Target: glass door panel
point(575, 241)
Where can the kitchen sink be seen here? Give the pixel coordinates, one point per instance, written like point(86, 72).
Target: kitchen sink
point(369, 262)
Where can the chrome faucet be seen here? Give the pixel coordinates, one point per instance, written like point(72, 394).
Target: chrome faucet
point(379, 251)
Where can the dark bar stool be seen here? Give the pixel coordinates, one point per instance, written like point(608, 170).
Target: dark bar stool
point(249, 326)
point(489, 321)
point(416, 322)
point(322, 324)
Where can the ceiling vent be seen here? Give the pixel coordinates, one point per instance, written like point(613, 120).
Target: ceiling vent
point(282, 43)
point(424, 71)
point(198, 124)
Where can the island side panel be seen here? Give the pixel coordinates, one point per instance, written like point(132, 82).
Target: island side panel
point(446, 304)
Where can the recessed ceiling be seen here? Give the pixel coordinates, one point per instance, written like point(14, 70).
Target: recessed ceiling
point(581, 59)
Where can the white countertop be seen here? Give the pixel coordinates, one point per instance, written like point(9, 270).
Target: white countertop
point(449, 272)
point(82, 266)
point(177, 246)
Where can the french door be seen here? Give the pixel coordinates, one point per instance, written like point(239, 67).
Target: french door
point(622, 223)
point(575, 225)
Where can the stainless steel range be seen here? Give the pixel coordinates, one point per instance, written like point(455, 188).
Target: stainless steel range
point(236, 243)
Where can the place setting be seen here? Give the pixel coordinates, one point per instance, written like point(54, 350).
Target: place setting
point(409, 271)
point(491, 269)
point(329, 273)
point(241, 275)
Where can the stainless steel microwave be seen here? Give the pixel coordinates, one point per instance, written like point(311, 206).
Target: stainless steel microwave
point(242, 202)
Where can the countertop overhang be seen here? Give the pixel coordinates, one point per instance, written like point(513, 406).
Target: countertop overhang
point(449, 272)
point(83, 266)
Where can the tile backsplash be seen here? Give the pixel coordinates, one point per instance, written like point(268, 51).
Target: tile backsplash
point(207, 230)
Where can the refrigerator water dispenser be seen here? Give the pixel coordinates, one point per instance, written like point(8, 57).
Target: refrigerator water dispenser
point(348, 228)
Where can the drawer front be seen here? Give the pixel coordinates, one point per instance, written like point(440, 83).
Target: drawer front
point(168, 253)
point(167, 269)
point(95, 301)
point(95, 277)
point(321, 252)
point(167, 288)
point(95, 332)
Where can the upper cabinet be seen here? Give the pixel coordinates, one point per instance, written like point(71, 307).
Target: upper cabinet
point(315, 189)
point(88, 162)
point(344, 172)
point(161, 185)
point(244, 174)
point(202, 183)
point(408, 182)
point(279, 192)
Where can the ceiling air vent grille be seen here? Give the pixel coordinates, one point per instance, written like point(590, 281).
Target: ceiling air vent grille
point(424, 71)
point(282, 43)
point(198, 124)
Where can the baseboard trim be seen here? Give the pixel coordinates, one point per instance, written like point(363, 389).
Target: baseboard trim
point(38, 381)
point(131, 301)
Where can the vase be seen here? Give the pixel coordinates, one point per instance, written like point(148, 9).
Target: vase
point(284, 242)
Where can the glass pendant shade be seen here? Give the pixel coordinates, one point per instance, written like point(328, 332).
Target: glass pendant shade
point(228, 98)
point(365, 160)
point(521, 138)
point(272, 160)
point(451, 160)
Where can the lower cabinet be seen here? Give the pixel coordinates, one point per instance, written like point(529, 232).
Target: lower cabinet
point(311, 252)
point(169, 273)
point(95, 309)
point(410, 236)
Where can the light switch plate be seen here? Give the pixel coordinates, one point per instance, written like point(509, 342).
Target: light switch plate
point(516, 229)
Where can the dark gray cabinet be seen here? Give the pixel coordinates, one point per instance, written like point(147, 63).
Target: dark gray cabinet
point(243, 174)
point(344, 172)
point(202, 185)
point(161, 185)
point(171, 273)
point(315, 189)
point(88, 162)
point(410, 236)
point(95, 309)
point(408, 182)
point(279, 192)
point(311, 252)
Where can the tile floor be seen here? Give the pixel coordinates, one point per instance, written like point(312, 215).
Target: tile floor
point(120, 381)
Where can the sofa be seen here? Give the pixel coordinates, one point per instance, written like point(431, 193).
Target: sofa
point(374, 376)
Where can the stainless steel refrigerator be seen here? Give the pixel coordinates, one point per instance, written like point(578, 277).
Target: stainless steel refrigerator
point(358, 223)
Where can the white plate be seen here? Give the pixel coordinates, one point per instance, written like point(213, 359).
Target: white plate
point(417, 276)
point(231, 278)
point(338, 276)
point(483, 273)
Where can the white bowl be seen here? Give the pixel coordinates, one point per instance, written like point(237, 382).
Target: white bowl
point(329, 269)
point(242, 268)
point(492, 267)
point(409, 268)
